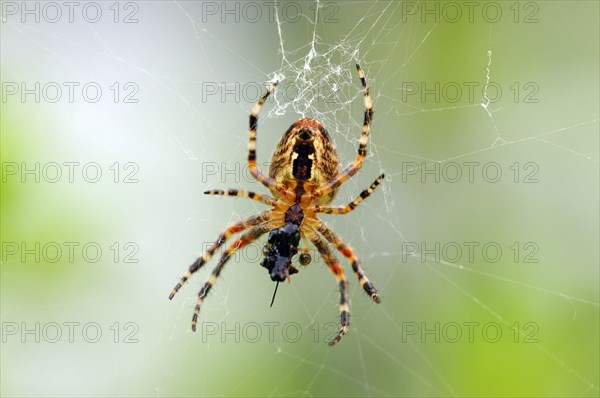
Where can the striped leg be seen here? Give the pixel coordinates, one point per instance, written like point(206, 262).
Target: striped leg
point(347, 252)
point(352, 205)
point(208, 253)
point(353, 167)
point(254, 171)
point(243, 194)
point(246, 238)
point(338, 271)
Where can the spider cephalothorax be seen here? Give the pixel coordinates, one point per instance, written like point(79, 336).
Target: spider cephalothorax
point(304, 177)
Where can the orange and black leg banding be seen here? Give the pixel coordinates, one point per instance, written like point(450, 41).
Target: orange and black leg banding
point(246, 238)
point(347, 252)
point(254, 171)
point(344, 313)
point(210, 251)
point(364, 139)
point(352, 205)
point(340, 276)
point(243, 194)
point(353, 167)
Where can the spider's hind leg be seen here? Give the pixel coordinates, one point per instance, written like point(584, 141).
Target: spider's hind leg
point(353, 167)
point(254, 170)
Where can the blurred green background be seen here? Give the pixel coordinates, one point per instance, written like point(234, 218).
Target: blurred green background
point(188, 73)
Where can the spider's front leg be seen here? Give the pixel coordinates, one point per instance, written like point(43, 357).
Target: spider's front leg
point(208, 253)
point(340, 276)
point(347, 252)
point(248, 237)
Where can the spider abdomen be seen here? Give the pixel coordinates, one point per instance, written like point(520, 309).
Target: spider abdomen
point(305, 154)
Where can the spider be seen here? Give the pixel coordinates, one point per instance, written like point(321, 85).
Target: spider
point(303, 177)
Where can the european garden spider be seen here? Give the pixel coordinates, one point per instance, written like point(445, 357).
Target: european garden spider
point(303, 177)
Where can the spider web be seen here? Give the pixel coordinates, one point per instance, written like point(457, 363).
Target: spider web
point(323, 66)
point(313, 56)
